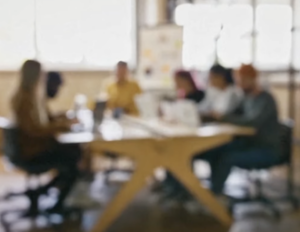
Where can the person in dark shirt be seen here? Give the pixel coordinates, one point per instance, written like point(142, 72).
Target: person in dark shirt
point(186, 87)
point(257, 110)
point(54, 82)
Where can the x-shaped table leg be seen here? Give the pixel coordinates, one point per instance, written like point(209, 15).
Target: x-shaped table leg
point(173, 154)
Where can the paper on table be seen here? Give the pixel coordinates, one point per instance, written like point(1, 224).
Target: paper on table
point(147, 105)
point(186, 112)
point(181, 111)
point(168, 129)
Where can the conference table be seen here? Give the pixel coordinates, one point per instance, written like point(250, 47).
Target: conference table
point(152, 144)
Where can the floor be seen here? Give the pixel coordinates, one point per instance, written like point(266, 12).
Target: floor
point(145, 214)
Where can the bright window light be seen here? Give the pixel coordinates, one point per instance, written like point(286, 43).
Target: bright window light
point(182, 13)
point(274, 24)
point(224, 31)
point(70, 34)
point(211, 29)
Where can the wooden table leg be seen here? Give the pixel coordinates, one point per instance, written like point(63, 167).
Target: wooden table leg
point(184, 174)
point(173, 155)
point(179, 163)
point(124, 196)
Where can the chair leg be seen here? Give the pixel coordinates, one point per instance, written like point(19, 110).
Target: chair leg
point(259, 197)
point(258, 185)
point(28, 192)
point(290, 187)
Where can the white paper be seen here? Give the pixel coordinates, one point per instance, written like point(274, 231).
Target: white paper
point(186, 112)
point(147, 105)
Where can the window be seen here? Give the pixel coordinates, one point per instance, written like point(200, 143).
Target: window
point(68, 34)
point(16, 32)
point(226, 33)
point(200, 27)
point(274, 36)
point(234, 43)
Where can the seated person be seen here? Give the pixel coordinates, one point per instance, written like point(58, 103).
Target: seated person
point(122, 92)
point(187, 88)
point(37, 132)
point(53, 84)
point(257, 110)
point(222, 96)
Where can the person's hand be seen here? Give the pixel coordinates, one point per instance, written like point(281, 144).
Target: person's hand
point(65, 125)
point(217, 116)
point(73, 121)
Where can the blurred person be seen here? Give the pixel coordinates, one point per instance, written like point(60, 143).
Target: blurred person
point(37, 132)
point(186, 86)
point(121, 93)
point(222, 96)
point(257, 110)
point(53, 84)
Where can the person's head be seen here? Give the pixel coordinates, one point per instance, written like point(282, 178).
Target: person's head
point(220, 77)
point(121, 71)
point(31, 76)
point(184, 81)
point(53, 84)
point(246, 77)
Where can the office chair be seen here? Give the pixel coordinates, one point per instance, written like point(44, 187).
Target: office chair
point(286, 158)
point(12, 153)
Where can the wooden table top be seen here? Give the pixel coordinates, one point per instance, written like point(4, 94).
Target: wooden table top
point(169, 129)
point(109, 130)
point(153, 144)
point(132, 128)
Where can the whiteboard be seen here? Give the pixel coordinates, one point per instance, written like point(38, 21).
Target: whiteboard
point(160, 55)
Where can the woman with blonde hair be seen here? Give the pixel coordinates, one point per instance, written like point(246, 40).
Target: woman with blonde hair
point(37, 131)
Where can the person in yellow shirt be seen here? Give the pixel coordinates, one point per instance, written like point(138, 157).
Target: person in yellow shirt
point(122, 92)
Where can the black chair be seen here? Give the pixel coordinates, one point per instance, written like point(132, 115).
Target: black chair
point(11, 150)
point(285, 159)
point(12, 154)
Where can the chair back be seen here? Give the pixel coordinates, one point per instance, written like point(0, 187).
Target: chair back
point(286, 139)
point(10, 143)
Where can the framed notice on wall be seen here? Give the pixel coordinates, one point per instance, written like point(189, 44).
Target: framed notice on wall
point(160, 55)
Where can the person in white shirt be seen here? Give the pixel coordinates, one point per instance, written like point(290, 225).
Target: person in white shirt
point(222, 96)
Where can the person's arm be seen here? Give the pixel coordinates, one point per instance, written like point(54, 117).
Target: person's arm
point(50, 116)
point(205, 105)
point(132, 108)
point(255, 118)
point(110, 102)
point(230, 101)
point(28, 123)
point(137, 88)
point(55, 116)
